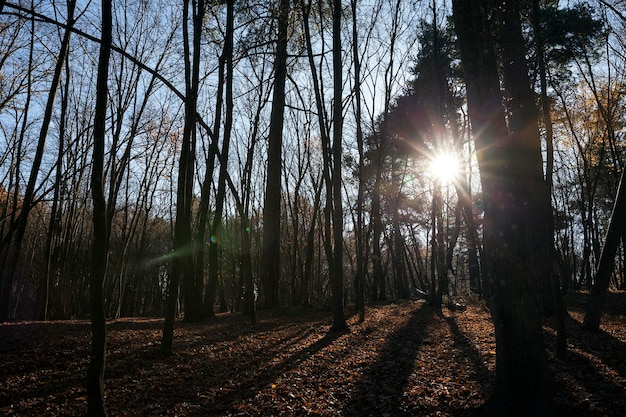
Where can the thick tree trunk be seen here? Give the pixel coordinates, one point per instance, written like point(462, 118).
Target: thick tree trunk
point(523, 124)
point(509, 167)
point(271, 207)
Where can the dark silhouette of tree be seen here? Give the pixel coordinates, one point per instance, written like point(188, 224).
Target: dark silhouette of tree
point(182, 272)
point(225, 77)
point(512, 180)
point(614, 234)
point(271, 210)
point(336, 262)
point(101, 230)
point(359, 276)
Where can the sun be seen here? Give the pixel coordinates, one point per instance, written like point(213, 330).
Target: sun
point(444, 167)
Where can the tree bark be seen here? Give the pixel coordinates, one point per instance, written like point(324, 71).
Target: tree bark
point(182, 271)
point(509, 167)
point(95, 371)
point(271, 207)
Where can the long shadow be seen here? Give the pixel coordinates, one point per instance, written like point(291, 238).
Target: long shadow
point(248, 384)
point(482, 373)
point(468, 348)
point(586, 367)
point(608, 349)
point(219, 377)
point(381, 389)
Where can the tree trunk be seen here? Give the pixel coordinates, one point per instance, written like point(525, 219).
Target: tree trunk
point(378, 291)
point(101, 230)
point(55, 211)
point(216, 233)
point(339, 320)
point(509, 167)
point(183, 239)
point(615, 232)
point(182, 262)
point(359, 279)
point(271, 207)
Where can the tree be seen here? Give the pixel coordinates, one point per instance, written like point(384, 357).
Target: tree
point(271, 206)
point(29, 193)
point(225, 77)
point(101, 230)
point(614, 234)
point(359, 278)
point(511, 172)
point(182, 262)
point(339, 320)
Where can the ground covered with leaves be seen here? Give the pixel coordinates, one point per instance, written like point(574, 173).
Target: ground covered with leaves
point(406, 359)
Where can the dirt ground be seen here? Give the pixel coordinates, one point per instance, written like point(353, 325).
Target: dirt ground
point(406, 359)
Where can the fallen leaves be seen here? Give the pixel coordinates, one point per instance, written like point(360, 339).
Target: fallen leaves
point(404, 360)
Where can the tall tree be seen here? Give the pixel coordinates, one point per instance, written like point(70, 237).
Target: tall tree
point(271, 206)
point(511, 171)
point(225, 76)
point(359, 278)
point(101, 230)
point(339, 320)
point(182, 271)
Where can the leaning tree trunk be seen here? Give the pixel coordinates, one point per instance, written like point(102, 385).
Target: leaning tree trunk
point(615, 232)
point(510, 166)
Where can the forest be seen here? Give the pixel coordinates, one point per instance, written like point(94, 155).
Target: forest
point(311, 207)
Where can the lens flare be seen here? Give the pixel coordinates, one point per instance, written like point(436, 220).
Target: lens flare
point(444, 167)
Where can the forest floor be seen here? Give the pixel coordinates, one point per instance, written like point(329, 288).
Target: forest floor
point(406, 359)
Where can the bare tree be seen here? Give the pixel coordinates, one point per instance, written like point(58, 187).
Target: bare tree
point(29, 193)
point(101, 230)
point(182, 262)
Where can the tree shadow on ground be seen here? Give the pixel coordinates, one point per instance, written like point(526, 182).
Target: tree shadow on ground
point(225, 363)
point(381, 389)
point(591, 380)
point(481, 372)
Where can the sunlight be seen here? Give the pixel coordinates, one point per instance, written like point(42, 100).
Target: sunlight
point(444, 167)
